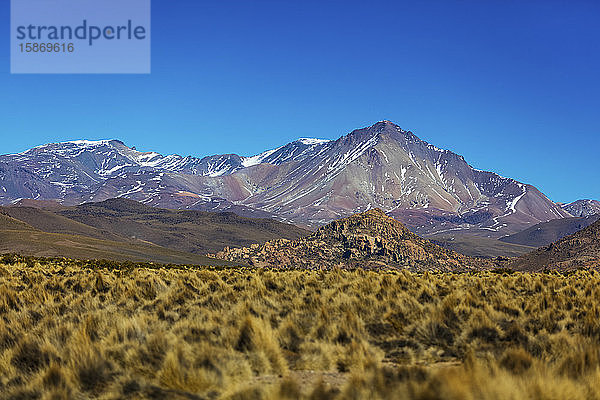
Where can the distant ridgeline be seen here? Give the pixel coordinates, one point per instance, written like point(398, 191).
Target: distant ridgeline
point(309, 182)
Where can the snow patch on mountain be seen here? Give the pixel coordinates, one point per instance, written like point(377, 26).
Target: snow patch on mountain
point(513, 203)
point(257, 159)
point(312, 141)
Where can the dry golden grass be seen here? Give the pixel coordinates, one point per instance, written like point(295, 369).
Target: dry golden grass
point(79, 333)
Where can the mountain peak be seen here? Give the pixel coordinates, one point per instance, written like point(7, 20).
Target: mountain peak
point(91, 143)
point(373, 222)
point(388, 124)
point(385, 122)
point(381, 128)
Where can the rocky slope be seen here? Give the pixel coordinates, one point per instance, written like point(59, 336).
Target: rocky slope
point(369, 240)
point(580, 250)
point(308, 182)
point(583, 208)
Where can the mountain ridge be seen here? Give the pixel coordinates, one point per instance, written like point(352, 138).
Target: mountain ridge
point(309, 182)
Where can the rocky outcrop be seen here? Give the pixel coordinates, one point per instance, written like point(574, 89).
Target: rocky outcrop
point(369, 240)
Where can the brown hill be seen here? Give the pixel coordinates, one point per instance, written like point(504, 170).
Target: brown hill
point(191, 231)
point(580, 250)
point(123, 220)
point(122, 229)
point(42, 244)
point(52, 222)
point(551, 231)
point(370, 240)
point(21, 238)
point(9, 223)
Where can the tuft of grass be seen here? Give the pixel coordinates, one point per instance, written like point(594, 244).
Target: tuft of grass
point(518, 361)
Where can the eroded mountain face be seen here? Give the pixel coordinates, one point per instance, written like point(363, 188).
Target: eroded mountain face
point(309, 182)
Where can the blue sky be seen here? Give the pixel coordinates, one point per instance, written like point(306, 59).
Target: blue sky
point(513, 86)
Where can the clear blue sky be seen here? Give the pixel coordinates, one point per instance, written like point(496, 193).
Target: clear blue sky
point(513, 86)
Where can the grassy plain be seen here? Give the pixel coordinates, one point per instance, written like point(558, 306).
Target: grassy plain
point(120, 331)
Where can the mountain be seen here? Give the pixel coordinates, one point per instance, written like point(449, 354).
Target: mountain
point(580, 250)
point(127, 221)
point(582, 208)
point(384, 166)
point(369, 240)
point(308, 182)
point(545, 233)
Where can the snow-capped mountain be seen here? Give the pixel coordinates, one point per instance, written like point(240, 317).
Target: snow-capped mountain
point(582, 208)
point(383, 166)
point(75, 171)
point(308, 181)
